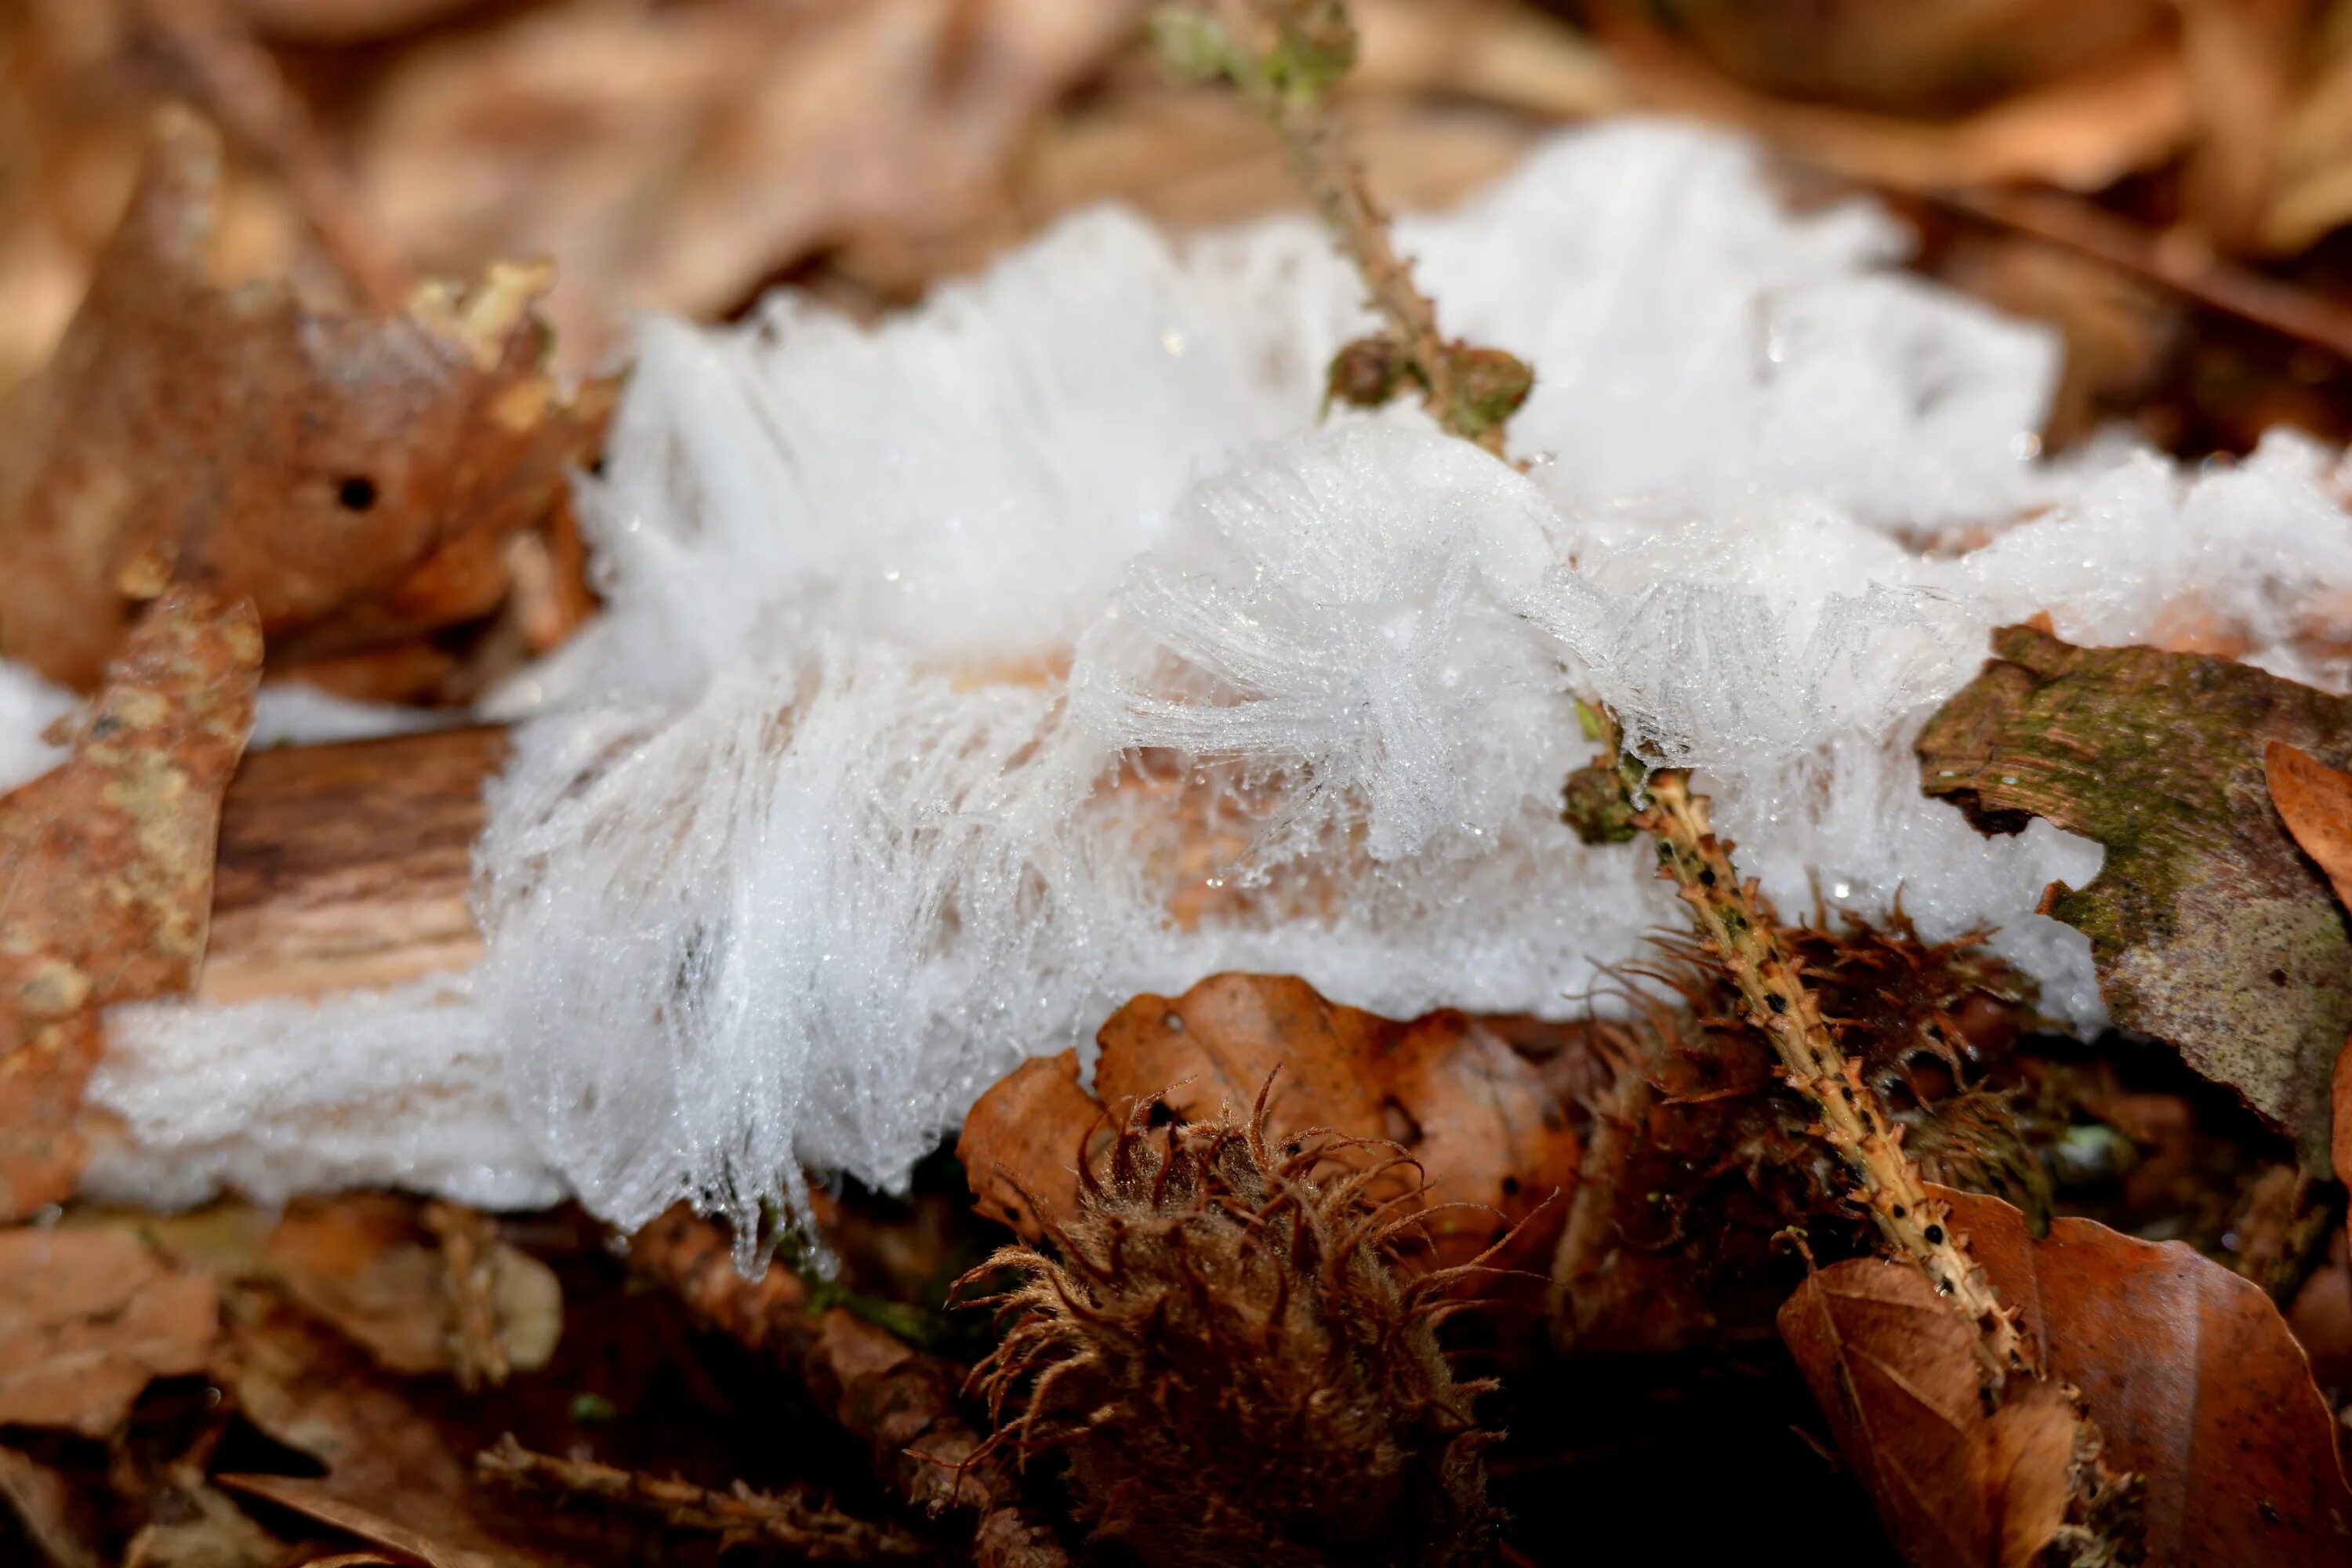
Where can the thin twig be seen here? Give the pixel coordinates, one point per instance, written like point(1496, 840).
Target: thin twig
point(2188, 267)
point(1284, 56)
point(815, 1530)
point(899, 1402)
point(1854, 1122)
point(469, 1241)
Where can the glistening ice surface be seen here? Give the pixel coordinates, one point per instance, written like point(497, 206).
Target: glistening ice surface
point(965, 675)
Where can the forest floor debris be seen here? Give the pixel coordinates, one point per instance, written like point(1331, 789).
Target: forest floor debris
point(373, 479)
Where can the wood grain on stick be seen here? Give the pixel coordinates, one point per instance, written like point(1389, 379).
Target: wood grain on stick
point(347, 866)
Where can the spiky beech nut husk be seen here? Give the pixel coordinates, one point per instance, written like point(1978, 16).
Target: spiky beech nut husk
point(1220, 1352)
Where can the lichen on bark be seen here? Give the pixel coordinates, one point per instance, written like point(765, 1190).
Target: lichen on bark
point(2212, 929)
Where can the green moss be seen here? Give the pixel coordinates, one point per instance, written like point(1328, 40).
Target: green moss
point(2211, 929)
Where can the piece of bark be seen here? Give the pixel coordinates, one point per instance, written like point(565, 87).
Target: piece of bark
point(2212, 929)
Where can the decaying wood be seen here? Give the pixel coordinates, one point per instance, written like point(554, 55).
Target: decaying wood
point(347, 866)
point(900, 1402)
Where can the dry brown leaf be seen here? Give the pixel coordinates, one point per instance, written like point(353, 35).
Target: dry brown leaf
point(2316, 801)
point(2188, 1370)
point(106, 867)
point(2313, 187)
point(194, 1524)
point(344, 21)
point(1485, 1130)
point(347, 473)
point(1932, 59)
point(317, 1500)
point(391, 1477)
point(1022, 1143)
point(737, 137)
point(2243, 58)
point(2123, 109)
point(1893, 1366)
point(363, 1265)
point(88, 1318)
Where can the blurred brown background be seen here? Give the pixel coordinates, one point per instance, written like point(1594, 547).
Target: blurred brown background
point(2163, 178)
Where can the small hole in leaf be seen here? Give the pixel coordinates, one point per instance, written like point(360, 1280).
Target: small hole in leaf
point(1510, 1186)
point(356, 493)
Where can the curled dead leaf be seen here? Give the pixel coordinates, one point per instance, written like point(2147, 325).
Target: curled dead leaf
point(2190, 1373)
point(1957, 1486)
point(355, 476)
point(88, 1318)
point(107, 863)
point(1023, 1140)
point(2314, 800)
point(1489, 1137)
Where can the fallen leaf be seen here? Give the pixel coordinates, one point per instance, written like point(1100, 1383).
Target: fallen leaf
point(1934, 60)
point(2314, 800)
point(1895, 1369)
point(344, 21)
point(2211, 929)
point(2115, 110)
point(365, 1265)
point(193, 1524)
point(739, 137)
point(106, 862)
point(1022, 1143)
point(51, 1514)
point(2313, 189)
point(355, 476)
point(2188, 1370)
point(317, 1500)
point(391, 1477)
point(2244, 58)
point(88, 1318)
point(1486, 1133)
point(2321, 1317)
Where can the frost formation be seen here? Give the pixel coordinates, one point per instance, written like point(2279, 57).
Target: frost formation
point(964, 675)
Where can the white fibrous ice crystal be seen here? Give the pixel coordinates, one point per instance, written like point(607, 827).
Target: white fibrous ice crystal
point(964, 675)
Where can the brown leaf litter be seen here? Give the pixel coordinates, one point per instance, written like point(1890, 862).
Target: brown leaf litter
point(106, 869)
point(1700, 1153)
point(358, 476)
point(2188, 1370)
point(88, 1318)
point(1484, 1131)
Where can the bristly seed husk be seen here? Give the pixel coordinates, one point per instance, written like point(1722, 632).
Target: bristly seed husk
point(1221, 1355)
